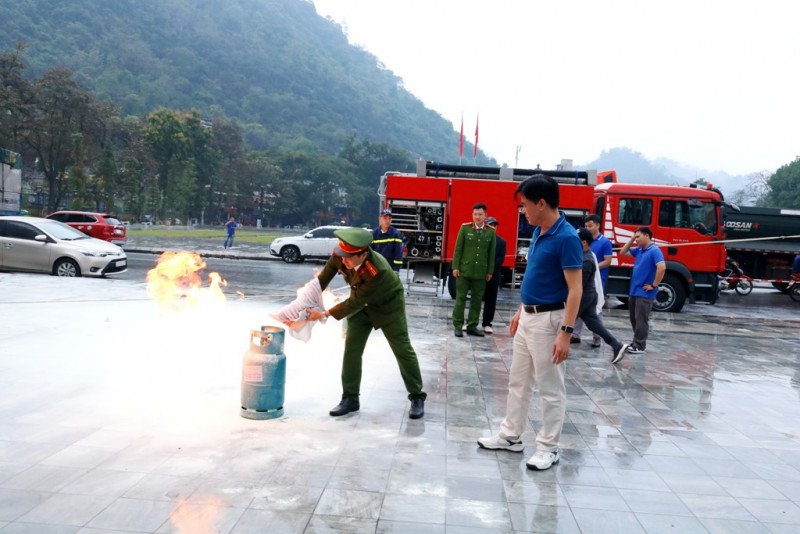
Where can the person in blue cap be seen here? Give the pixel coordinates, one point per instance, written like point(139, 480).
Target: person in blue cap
point(387, 240)
point(376, 301)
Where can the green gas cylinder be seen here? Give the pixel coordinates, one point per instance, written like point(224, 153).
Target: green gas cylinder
point(264, 374)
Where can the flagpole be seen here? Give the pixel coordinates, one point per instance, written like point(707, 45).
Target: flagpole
point(461, 140)
point(475, 150)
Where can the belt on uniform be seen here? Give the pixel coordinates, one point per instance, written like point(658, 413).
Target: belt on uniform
point(539, 308)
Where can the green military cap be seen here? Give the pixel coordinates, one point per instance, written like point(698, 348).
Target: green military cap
point(352, 241)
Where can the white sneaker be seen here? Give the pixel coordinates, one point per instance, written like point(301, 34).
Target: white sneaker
point(488, 330)
point(620, 353)
point(542, 460)
point(635, 350)
point(496, 442)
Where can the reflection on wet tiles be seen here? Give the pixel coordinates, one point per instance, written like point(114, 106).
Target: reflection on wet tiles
point(782, 512)
point(581, 475)
point(672, 464)
point(715, 506)
point(636, 480)
point(296, 498)
point(350, 503)
point(593, 521)
point(413, 508)
point(655, 502)
point(692, 484)
point(726, 526)
point(483, 514)
point(542, 518)
point(271, 521)
point(654, 523)
point(475, 488)
point(359, 478)
point(321, 524)
point(594, 497)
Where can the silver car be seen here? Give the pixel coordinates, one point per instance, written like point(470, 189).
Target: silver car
point(33, 244)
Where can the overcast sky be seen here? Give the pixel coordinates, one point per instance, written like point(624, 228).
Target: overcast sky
point(711, 83)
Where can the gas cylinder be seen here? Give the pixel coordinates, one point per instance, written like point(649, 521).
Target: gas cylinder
point(264, 374)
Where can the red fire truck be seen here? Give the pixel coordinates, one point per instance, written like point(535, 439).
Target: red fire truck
point(429, 206)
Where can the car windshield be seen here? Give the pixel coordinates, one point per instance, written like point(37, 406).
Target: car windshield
point(60, 230)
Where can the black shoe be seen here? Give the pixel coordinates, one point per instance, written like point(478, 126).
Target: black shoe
point(417, 409)
point(346, 406)
point(458, 332)
point(474, 332)
point(574, 340)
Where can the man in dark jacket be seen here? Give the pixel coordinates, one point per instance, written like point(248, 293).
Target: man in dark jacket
point(386, 240)
point(493, 285)
point(375, 301)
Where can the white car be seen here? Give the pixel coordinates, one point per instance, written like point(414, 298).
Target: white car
point(318, 243)
point(34, 244)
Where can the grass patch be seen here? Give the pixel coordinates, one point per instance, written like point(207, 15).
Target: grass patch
point(245, 236)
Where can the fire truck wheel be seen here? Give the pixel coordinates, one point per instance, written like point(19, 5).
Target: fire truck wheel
point(451, 285)
point(291, 254)
point(671, 295)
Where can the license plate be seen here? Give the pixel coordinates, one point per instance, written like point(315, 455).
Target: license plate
point(121, 263)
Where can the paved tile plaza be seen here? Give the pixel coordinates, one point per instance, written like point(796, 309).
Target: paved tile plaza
point(120, 416)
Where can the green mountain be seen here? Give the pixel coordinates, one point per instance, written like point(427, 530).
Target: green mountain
point(276, 66)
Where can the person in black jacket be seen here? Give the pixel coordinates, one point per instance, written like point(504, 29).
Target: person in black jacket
point(387, 241)
point(493, 285)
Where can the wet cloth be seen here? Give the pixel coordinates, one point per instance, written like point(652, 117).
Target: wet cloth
point(295, 314)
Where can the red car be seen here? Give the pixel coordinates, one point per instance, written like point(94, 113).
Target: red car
point(98, 225)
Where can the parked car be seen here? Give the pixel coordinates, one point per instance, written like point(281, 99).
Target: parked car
point(98, 225)
point(33, 244)
point(318, 243)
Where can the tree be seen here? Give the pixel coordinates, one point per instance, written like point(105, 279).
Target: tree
point(61, 115)
point(784, 186)
point(755, 192)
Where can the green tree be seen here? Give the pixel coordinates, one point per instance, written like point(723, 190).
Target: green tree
point(784, 186)
point(60, 114)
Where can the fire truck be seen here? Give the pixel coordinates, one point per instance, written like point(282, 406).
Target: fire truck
point(764, 241)
point(429, 206)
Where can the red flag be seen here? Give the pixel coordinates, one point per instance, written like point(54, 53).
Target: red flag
point(461, 139)
point(475, 150)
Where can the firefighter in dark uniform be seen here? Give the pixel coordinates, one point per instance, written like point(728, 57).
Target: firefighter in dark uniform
point(473, 266)
point(375, 301)
point(387, 240)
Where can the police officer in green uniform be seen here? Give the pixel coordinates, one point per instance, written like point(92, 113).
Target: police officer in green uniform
point(376, 301)
point(473, 266)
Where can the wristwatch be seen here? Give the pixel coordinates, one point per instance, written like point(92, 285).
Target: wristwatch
point(567, 329)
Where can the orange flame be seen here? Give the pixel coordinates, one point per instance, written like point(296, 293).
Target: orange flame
point(195, 518)
point(176, 281)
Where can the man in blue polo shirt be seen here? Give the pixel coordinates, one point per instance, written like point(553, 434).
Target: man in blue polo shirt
point(648, 271)
point(551, 294)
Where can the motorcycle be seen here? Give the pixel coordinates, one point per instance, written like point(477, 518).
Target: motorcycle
point(733, 277)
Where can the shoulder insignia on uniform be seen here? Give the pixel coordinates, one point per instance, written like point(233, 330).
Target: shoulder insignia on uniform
point(369, 268)
point(467, 224)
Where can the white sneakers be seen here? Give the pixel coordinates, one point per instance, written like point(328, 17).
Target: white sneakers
point(488, 330)
point(620, 353)
point(635, 350)
point(497, 442)
point(542, 460)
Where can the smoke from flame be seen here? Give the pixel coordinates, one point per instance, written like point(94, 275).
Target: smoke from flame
point(176, 281)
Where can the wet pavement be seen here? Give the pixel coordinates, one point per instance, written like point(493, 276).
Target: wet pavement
point(118, 415)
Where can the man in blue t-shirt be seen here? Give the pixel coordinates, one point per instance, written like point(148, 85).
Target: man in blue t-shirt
point(551, 295)
point(648, 271)
point(603, 251)
point(230, 226)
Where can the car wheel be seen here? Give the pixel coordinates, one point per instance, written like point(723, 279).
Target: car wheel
point(291, 254)
point(66, 267)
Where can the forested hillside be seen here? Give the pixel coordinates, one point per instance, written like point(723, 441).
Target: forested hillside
point(277, 67)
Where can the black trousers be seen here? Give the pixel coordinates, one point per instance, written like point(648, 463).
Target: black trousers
point(490, 298)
